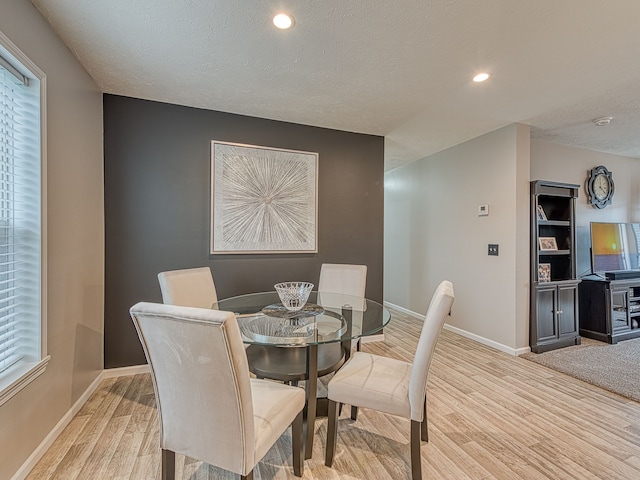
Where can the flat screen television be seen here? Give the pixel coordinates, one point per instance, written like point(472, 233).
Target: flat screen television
point(615, 247)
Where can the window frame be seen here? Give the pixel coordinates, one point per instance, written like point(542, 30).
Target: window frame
point(18, 376)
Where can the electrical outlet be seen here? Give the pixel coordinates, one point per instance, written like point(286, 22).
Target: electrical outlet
point(493, 249)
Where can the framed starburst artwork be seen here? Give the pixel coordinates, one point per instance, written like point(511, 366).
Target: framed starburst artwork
point(263, 200)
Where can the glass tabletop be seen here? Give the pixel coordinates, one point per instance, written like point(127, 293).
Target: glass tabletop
point(326, 318)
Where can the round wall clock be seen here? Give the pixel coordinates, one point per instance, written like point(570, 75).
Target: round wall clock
point(600, 187)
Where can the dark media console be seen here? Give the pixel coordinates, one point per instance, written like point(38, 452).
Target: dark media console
point(622, 275)
point(610, 307)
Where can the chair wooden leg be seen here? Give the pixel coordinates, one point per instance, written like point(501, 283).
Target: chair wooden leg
point(332, 432)
point(248, 476)
point(168, 465)
point(297, 442)
point(416, 465)
point(425, 425)
point(354, 412)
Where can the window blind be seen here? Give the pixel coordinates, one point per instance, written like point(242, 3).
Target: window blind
point(20, 230)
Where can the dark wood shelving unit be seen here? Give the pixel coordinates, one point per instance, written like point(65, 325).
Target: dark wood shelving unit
point(553, 321)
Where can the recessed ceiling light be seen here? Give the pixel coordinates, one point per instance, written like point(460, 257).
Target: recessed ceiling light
point(481, 77)
point(283, 21)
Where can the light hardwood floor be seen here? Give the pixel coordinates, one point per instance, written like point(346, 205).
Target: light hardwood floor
point(491, 416)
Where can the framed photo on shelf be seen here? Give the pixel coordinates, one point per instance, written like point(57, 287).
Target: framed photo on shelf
point(541, 214)
point(548, 243)
point(544, 272)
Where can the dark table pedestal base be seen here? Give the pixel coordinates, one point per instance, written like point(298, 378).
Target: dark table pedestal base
point(289, 364)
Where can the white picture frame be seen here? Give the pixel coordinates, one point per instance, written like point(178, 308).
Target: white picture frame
point(263, 200)
point(547, 243)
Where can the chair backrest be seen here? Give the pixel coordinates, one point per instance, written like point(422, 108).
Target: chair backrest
point(337, 279)
point(439, 308)
point(191, 287)
point(201, 381)
point(343, 278)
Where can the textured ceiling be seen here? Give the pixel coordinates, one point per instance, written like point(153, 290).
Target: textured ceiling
point(401, 69)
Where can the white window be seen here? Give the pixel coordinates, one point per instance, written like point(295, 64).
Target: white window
point(23, 353)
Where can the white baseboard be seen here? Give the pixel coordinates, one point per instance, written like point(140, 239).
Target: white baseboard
point(124, 371)
point(471, 336)
point(37, 454)
point(404, 310)
point(488, 342)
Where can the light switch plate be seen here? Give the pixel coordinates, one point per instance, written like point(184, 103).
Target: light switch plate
point(483, 210)
point(493, 249)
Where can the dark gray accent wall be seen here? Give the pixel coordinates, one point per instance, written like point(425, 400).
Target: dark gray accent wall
point(157, 206)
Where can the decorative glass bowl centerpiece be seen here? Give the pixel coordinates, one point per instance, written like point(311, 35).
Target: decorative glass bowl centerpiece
point(293, 295)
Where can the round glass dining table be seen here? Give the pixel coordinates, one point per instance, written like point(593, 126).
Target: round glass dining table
point(304, 345)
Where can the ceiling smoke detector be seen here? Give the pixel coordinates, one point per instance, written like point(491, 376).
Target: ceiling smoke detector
point(602, 121)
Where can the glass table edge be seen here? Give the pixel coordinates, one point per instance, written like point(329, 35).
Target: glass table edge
point(386, 318)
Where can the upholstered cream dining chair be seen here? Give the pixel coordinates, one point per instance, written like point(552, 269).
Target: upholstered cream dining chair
point(208, 406)
point(343, 278)
point(190, 287)
point(389, 385)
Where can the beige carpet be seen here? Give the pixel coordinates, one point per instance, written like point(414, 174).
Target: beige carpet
point(613, 367)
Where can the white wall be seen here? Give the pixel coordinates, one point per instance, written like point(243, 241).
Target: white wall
point(75, 239)
point(433, 232)
point(571, 165)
